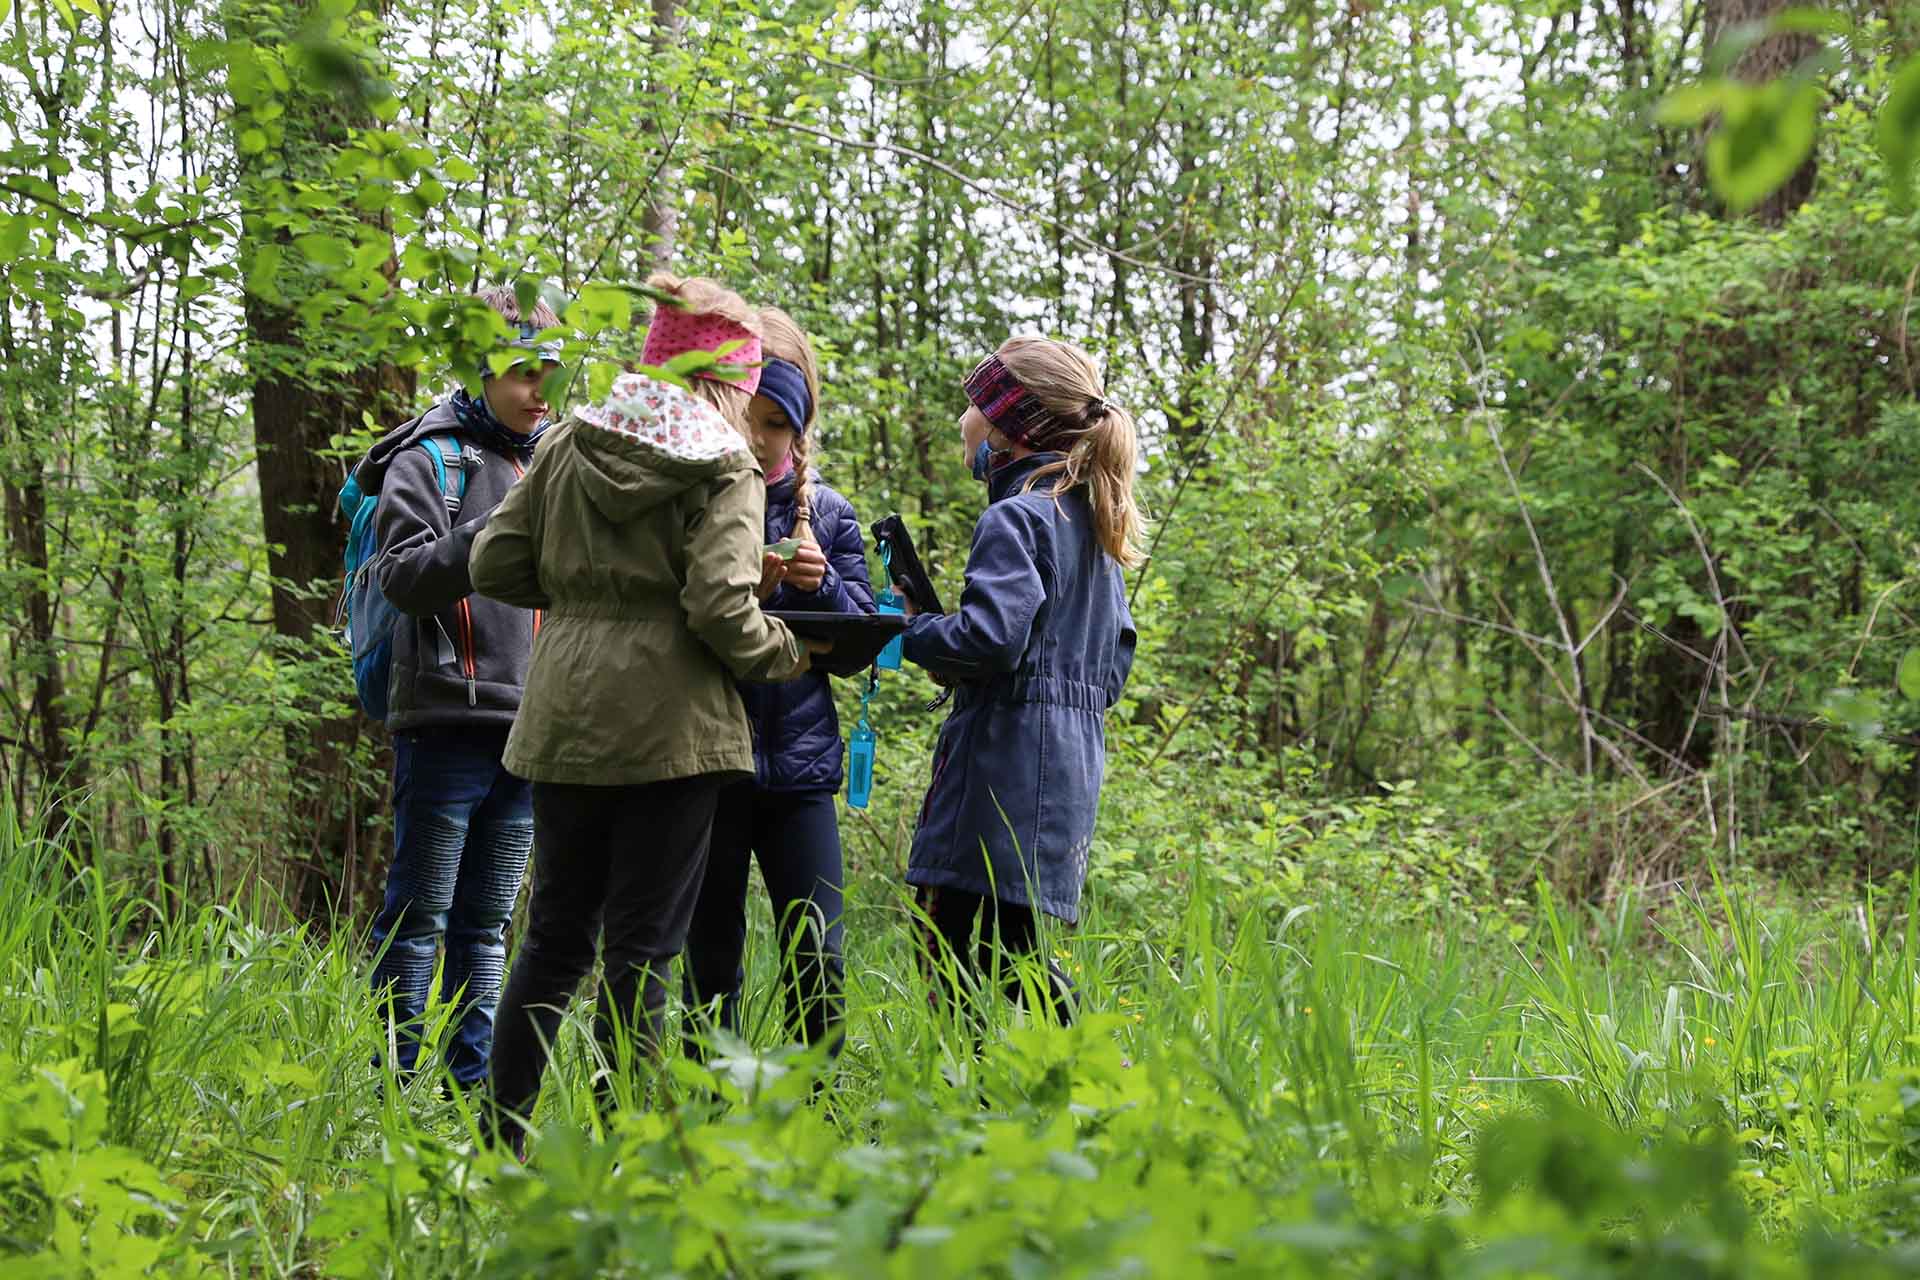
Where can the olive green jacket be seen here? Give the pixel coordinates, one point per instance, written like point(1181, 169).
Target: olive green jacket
point(645, 560)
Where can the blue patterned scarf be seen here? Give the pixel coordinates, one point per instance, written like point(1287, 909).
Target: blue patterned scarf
point(478, 422)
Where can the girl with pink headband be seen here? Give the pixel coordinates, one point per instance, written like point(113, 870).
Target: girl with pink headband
point(674, 332)
point(1037, 655)
point(638, 530)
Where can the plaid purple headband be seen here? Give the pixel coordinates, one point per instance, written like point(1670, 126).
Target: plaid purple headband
point(1009, 406)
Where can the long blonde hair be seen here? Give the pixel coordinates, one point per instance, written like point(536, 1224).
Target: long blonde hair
point(781, 335)
point(1099, 439)
point(705, 297)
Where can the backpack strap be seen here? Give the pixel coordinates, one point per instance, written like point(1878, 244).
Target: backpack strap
point(449, 459)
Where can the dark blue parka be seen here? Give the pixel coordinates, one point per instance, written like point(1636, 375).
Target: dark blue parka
point(1039, 652)
point(796, 731)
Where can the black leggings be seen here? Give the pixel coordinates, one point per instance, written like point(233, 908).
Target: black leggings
point(618, 865)
point(948, 927)
point(797, 840)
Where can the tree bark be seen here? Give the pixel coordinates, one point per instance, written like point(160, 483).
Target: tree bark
point(34, 372)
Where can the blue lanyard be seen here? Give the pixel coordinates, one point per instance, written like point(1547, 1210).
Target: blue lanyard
point(860, 746)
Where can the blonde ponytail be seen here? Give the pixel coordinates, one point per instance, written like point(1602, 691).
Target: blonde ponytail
point(1104, 459)
point(782, 336)
point(1101, 448)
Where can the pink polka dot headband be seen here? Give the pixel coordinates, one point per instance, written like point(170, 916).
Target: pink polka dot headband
point(674, 332)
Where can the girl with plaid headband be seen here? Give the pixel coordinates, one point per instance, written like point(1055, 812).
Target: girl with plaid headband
point(1037, 655)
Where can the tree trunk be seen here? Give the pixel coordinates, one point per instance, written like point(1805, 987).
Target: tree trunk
point(61, 774)
point(34, 375)
point(293, 421)
point(299, 407)
point(660, 221)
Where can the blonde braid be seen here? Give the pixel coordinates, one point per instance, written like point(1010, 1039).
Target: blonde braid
point(802, 489)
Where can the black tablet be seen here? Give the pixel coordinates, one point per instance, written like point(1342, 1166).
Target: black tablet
point(895, 543)
point(857, 638)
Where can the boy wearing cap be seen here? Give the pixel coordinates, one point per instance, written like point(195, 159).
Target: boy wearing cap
point(462, 824)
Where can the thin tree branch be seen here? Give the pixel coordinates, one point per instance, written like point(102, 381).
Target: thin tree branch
point(970, 182)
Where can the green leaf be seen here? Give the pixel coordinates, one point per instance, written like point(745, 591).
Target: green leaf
point(65, 11)
point(1690, 104)
point(324, 251)
point(417, 262)
point(1810, 22)
point(266, 266)
point(1733, 45)
point(688, 363)
point(1764, 136)
point(89, 6)
point(600, 380)
point(253, 141)
point(13, 233)
point(1910, 675)
point(1898, 132)
point(243, 75)
point(1857, 710)
point(606, 306)
point(293, 1076)
point(6, 7)
point(1398, 587)
point(371, 254)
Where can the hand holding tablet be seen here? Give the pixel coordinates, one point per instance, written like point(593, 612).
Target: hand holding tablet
point(857, 638)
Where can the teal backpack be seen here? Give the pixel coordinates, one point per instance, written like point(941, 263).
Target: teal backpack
point(366, 616)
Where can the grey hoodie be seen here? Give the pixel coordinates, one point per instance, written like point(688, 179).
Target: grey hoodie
point(463, 661)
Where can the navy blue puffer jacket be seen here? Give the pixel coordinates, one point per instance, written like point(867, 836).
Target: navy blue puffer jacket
point(796, 732)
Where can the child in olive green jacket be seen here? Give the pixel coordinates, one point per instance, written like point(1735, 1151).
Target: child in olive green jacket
point(638, 532)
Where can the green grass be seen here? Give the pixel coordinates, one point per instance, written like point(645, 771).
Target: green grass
point(1698, 1086)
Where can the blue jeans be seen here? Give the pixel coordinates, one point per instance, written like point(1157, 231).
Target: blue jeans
point(462, 829)
point(796, 836)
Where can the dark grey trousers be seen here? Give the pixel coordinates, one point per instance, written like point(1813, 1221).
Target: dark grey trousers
point(619, 866)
